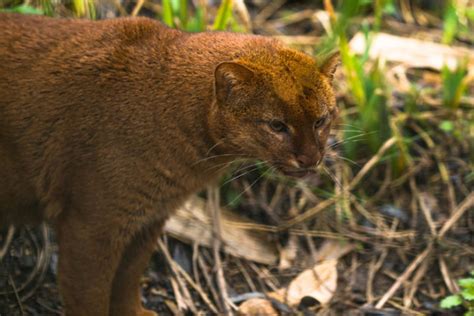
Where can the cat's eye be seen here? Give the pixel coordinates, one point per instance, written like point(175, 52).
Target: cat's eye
point(278, 126)
point(319, 122)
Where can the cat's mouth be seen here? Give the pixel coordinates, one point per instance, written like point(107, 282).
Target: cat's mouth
point(296, 172)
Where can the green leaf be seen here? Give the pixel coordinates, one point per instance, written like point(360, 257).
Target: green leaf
point(470, 14)
point(451, 301)
point(468, 294)
point(446, 126)
point(389, 8)
point(467, 283)
point(24, 9)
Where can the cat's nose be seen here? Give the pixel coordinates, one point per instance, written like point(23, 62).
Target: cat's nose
point(306, 161)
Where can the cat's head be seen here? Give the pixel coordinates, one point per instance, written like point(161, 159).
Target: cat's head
point(278, 109)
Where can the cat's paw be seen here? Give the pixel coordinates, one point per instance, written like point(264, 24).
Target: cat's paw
point(146, 312)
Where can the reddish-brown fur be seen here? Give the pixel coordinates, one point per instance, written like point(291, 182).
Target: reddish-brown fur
point(107, 127)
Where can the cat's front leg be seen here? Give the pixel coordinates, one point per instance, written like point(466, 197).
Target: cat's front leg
point(126, 294)
point(91, 246)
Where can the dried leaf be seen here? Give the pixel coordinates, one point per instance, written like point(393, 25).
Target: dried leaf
point(320, 283)
point(333, 249)
point(278, 295)
point(257, 306)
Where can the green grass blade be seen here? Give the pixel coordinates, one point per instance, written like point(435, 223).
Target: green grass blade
point(79, 8)
point(91, 9)
point(223, 15)
point(450, 23)
point(454, 84)
point(47, 7)
point(183, 13)
point(167, 13)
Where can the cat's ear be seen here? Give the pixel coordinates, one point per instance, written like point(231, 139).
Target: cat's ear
point(229, 76)
point(330, 64)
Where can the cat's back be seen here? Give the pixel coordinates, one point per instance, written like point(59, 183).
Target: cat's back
point(45, 58)
point(28, 39)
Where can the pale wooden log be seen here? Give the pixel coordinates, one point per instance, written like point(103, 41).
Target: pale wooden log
point(298, 39)
point(191, 223)
point(413, 52)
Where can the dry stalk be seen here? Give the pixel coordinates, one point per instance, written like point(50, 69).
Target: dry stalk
point(137, 8)
point(443, 170)
point(410, 294)
point(448, 280)
point(292, 18)
point(422, 198)
point(28, 287)
point(183, 297)
point(373, 269)
point(213, 204)
point(371, 163)
point(467, 203)
point(209, 282)
point(242, 11)
point(41, 267)
point(17, 296)
point(309, 214)
point(404, 276)
point(179, 297)
point(179, 271)
point(246, 275)
point(120, 8)
point(414, 201)
point(265, 276)
point(195, 263)
point(268, 11)
point(8, 240)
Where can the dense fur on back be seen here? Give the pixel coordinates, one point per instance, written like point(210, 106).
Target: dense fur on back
point(107, 127)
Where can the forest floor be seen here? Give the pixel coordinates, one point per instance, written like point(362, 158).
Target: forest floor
point(357, 239)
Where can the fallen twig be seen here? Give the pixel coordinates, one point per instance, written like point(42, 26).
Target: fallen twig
point(404, 276)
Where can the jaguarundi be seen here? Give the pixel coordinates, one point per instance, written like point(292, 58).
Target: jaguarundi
point(107, 127)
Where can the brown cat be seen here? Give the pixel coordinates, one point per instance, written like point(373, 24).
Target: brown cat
point(107, 127)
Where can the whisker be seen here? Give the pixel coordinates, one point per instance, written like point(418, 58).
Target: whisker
point(253, 167)
point(332, 176)
point(337, 156)
point(216, 156)
point(350, 125)
point(336, 144)
point(352, 138)
point(249, 187)
point(214, 146)
point(348, 130)
point(221, 166)
point(247, 166)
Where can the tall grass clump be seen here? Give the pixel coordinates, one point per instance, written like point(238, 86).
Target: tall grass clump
point(372, 124)
point(179, 14)
point(78, 8)
point(454, 84)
